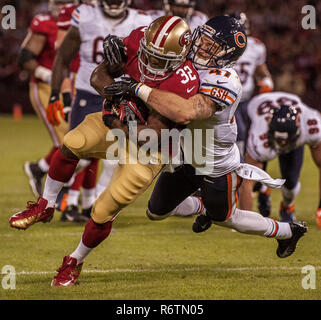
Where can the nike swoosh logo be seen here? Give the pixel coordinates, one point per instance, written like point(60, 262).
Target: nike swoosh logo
point(190, 90)
point(221, 82)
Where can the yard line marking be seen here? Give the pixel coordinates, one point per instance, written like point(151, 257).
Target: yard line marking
point(117, 270)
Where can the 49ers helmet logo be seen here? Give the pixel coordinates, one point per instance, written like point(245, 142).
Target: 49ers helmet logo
point(240, 39)
point(186, 38)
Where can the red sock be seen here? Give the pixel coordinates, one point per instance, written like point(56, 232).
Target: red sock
point(78, 180)
point(95, 233)
point(61, 167)
point(50, 154)
point(90, 177)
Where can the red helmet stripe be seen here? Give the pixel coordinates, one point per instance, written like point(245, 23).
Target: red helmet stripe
point(160, 28)
point(163, 31)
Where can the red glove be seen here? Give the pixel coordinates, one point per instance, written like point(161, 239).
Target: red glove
point(54, 109)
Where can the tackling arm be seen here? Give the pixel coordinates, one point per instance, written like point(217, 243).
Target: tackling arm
point(246, 200)
point(180, 110)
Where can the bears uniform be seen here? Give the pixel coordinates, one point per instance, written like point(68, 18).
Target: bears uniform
point(89, 139)
point(254, 56)
point(259, 108)
point(291, 160)
point(46, 25)
point(223, 86)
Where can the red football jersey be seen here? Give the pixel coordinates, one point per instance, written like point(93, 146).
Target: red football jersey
point(64, 22)
point(46, 25)
point(184, 81)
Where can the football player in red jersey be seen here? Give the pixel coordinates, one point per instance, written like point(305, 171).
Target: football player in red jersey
point(36, 56)
point(161, 68)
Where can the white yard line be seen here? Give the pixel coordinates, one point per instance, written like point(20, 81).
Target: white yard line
point(172, 270)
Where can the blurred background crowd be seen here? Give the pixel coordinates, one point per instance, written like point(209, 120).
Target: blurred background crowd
point(293, 54)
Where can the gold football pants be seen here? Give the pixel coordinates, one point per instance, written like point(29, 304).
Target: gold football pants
point(39, 96)
point(128, 182)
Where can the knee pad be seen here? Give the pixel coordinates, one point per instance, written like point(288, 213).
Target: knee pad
point(75, 140)
point(289, 195)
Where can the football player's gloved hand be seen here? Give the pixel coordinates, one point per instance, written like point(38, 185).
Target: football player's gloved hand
point(66, 98)
point(55, 109)
point(127, 86)
point(114, 50)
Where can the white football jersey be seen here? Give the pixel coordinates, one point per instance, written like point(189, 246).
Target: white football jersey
point(197, 19)
point(222, 155)
point(254, 55)
point(259, 113)
point(93, 27)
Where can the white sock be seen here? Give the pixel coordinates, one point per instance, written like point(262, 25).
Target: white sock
point(51, 191)
point(73, 196)
point(105, 176)
point(81, 252)
point(43, 165)
point(253, 223)
point(88, 197)
point(190, 206)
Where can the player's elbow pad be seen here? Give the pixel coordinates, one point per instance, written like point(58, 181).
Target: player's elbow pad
point(25, 55)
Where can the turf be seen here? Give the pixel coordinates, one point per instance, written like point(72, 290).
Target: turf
point(143, 259)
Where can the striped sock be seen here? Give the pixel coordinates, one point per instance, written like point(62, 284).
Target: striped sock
point(278, 230)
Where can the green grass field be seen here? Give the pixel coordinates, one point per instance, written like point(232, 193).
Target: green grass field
point(143, 259)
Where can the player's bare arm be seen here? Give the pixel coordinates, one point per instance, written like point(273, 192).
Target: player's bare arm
point(65, 54)
point(263, 78)
point(246, 200)
point(180, 110)
point(31, 47)
point(100, 78)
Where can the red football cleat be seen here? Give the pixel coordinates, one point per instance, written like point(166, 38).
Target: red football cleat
point(35, 212)
point(68, 273)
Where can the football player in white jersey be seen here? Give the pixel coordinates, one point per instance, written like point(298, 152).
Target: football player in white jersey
point(182, 8)
point(215, 47)
point(281, 124)
point(89, 26)
point(254, 75)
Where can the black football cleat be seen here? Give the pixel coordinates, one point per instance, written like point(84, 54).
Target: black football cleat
point(35, 175)
point(287, 246)
point(201, 223)
point(72, 214)
point(86, 213)
point(264, 204)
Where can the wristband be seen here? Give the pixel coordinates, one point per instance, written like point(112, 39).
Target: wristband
point(143, 91)
point(43, 74)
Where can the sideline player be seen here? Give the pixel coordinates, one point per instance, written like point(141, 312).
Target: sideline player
point(182, 8)
point(36, 56)
point(216, 45)
point(161, 62)
point(281, 124)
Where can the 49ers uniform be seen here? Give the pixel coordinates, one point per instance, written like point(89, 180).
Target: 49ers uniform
point(39, 91)
point(129, 181)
